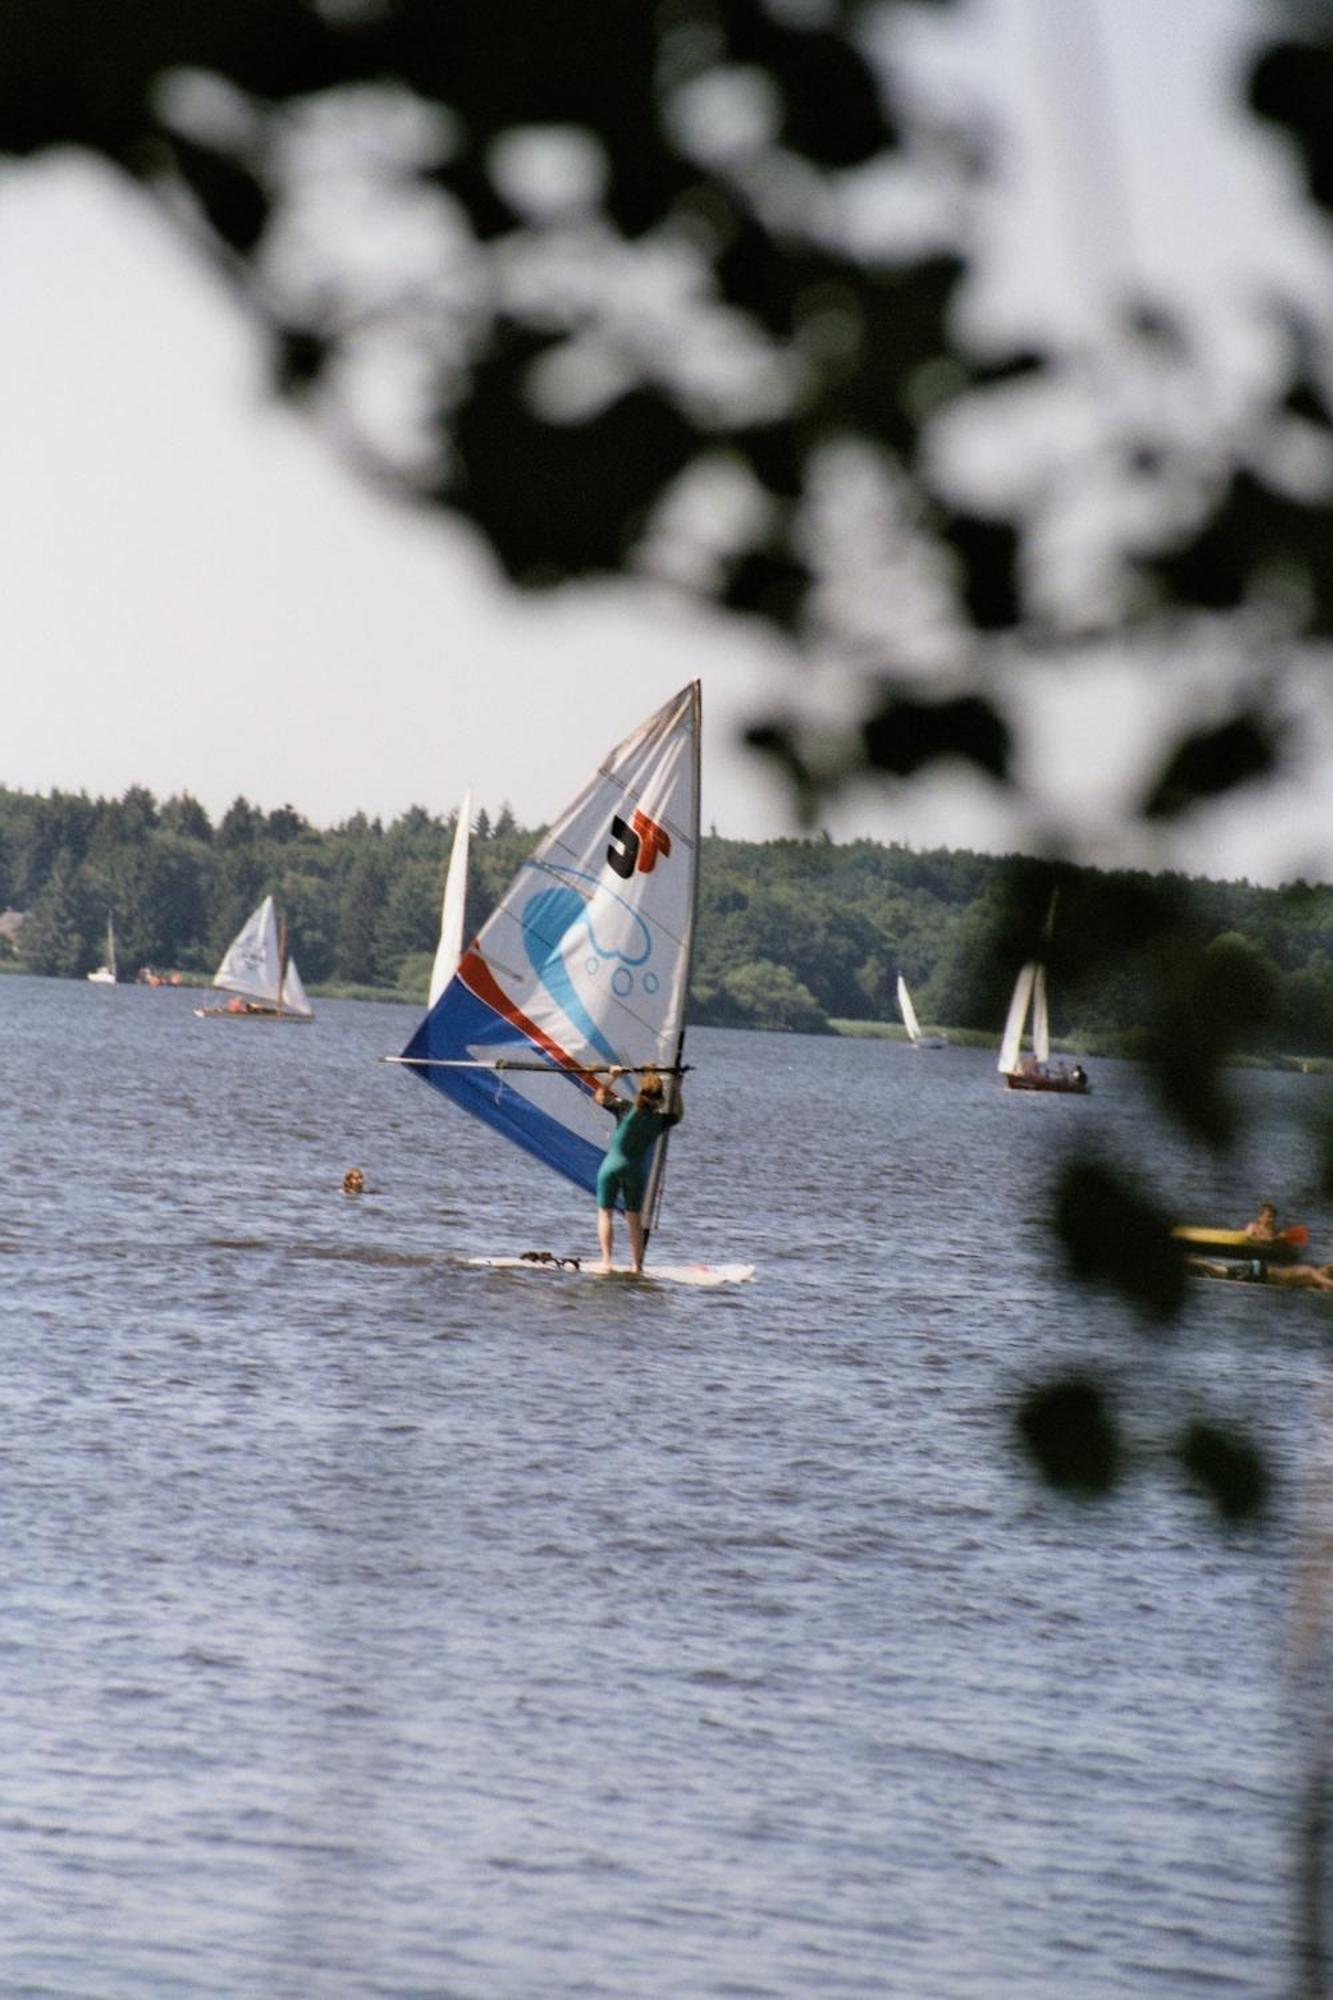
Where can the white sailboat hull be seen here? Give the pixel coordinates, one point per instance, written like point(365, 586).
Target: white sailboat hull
point(249, 1014)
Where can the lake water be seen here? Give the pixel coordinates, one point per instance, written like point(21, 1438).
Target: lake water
point(374, 1626)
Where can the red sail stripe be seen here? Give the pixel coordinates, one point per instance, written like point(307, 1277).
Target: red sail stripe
point(477, 976)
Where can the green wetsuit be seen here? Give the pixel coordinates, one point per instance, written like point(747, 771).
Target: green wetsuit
point(623, 1172)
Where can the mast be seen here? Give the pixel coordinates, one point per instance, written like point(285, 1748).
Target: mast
point(657, 1172)
point(282, 958)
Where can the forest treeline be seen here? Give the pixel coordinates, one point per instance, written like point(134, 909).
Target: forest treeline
point(792, 933)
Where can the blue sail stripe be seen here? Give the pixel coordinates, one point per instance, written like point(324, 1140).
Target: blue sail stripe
point(459, 1023)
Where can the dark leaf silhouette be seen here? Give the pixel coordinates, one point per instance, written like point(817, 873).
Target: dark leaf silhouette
point(1068, 1428)
point(987, 554)
point(902, 735)
point(1213, 762)
point(1226, 1465)
point(1255, 543)
point(771, 585)
point(1292, 85)
point(299, 360)
point(1115, 1235)
point(585, 489)
point(1210, 1001)
point(815, 69)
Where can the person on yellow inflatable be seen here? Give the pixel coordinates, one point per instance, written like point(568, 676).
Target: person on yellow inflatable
point(1263, 1228)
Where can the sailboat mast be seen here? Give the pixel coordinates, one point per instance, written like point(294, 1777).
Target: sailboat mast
point(657, 1175)
point(282, 959)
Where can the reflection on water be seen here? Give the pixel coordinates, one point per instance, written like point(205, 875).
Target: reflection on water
point(374, 1625)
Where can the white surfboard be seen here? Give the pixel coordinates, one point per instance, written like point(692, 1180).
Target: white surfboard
point(662, 1274)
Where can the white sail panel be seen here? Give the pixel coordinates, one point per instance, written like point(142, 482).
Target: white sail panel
point(294, 998)
point(591, 945)
point(450, 947)
point(1041, 1020)
point(908, 1011)
point(252, 964)
point(1012, 1039)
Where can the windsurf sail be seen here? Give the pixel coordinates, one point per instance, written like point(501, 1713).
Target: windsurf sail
point(585, 962)
point(450, 947)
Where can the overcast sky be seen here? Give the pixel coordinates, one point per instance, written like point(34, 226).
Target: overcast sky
point(195, 596)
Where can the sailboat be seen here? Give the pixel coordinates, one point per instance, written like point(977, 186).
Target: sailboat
point(105, 975)
point(911, 1023)
point(450, 947)
point(258, 973)
point(583, 965)
point(1035, 1071)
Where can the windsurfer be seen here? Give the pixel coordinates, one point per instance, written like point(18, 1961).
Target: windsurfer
point(623, 1171)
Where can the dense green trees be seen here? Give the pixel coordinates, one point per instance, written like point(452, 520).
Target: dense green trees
point(792, 933)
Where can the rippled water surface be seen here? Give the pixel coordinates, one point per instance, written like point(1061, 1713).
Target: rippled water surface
point(372, 1625)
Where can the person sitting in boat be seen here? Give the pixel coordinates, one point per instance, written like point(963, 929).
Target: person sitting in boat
point(1260, 1271)
point(624, 1169)
point(1263, 1228)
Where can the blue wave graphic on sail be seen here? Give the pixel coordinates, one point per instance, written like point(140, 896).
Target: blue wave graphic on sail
point(551, 921)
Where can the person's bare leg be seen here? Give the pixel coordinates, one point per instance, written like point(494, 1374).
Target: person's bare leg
point(634, 1223)
point(604, 1219)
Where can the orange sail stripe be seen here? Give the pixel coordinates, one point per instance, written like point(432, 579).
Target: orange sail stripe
point(477, 976)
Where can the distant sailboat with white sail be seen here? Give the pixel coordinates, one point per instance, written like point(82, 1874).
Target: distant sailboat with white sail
point(259, 973)
point(1035, 1071)
point(912, 1024)
point(106, 975)
point(583, 966)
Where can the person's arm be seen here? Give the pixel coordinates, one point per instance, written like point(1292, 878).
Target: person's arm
point(603, 1093)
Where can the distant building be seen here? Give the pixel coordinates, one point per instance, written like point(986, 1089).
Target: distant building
point(11, 923)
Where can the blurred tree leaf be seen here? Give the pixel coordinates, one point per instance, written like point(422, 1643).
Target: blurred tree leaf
point(1291, 85)
point(987, 554)
point(1212, 762)
point(770, 585)
point(1209, 1002)
point(586, 488)
point(1255, 544)
point(1069, 1430)
point(1115, 1235)
point(1224, 1463)
point(902, 735)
